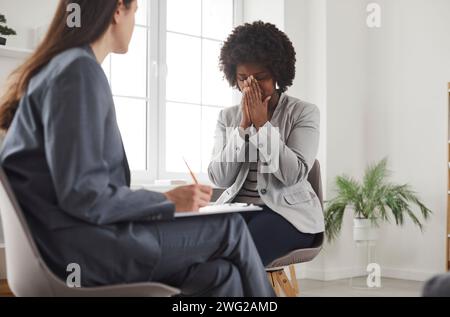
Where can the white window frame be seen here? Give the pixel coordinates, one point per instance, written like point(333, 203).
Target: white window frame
point(156, 96)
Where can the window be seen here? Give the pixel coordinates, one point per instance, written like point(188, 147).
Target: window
point(127, 75)
point(168, 90)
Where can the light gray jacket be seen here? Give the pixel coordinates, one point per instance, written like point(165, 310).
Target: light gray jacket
point(284, 189)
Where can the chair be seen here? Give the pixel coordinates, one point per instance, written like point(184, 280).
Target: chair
point(27, 273)
point(275, 270)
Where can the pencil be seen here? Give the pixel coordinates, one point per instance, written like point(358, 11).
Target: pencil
point(190, 171)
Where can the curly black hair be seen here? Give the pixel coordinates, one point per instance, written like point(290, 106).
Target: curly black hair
point(259, 43)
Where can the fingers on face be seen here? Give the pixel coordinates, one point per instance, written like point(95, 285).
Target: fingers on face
point(248, 91)
point(247, 96)
point(247, 109)
point(255, 87)
point(251, 91)
point(245, 87)
point(257, 95)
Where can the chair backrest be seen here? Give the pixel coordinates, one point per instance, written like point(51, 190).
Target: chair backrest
point(27, 274)
point(308, 254)
point(315, 179)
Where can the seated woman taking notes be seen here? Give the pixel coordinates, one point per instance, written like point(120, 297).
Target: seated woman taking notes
point(64, 157)
point(266, 146)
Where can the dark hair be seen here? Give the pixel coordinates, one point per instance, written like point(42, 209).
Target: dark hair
point(96, 17)
point(259, 43)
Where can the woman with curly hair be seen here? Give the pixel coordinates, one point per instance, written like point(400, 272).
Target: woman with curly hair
point(259, 60)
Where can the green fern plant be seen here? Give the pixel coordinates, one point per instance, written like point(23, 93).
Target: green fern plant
point(4, 30)
point(375, 199)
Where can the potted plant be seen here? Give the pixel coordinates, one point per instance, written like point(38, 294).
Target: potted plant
point(4, 30)
point(373, 201)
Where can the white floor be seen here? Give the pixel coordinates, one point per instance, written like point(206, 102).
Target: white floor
point(343, 288)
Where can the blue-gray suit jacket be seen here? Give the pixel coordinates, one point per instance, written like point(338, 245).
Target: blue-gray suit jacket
point(64, 157)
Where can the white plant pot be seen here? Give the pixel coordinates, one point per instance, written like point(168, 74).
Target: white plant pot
point(364, 230)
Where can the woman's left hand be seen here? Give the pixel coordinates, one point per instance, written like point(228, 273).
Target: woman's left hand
point(259, 109)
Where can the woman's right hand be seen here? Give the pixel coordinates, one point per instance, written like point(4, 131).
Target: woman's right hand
point(246, 120)
point(190, 198)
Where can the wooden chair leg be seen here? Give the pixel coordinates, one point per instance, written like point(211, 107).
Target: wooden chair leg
point(273, 282)
point(294, 281)
point(4, 289)
point(269, 276)
point(283, 281)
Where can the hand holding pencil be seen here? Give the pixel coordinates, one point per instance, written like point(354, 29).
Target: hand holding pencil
point(191, 197)
point(190, 171)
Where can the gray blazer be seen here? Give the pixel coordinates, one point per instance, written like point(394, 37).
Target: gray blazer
point(65, 160)
point(285, 189)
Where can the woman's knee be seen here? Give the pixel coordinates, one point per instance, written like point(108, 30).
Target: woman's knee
point(215, 278)
point(233, 223)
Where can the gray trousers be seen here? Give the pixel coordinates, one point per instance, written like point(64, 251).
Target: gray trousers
point(210, 256)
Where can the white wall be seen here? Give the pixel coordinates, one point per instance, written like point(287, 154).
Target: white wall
point(305, 25)
point(407, 119)
point(331, 73)
point(347, 83)
point(385, 95)
point(24, 16)
point(7, 65)
point(266, 10)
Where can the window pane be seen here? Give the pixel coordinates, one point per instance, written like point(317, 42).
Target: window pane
point(217, 18)
point(210, 116)
point(132, 117)
point(184, 68)
point(129, 71)
point(215, 89)
point(182, 137)
point(141, 14)
point(184, 16)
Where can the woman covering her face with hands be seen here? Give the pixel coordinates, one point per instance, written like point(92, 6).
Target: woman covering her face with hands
point(268, 126)
point(257, 109)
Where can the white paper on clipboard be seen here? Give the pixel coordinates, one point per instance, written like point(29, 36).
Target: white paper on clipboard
point(219, 209)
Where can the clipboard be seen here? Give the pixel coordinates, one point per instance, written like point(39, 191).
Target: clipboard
point(219, 209)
